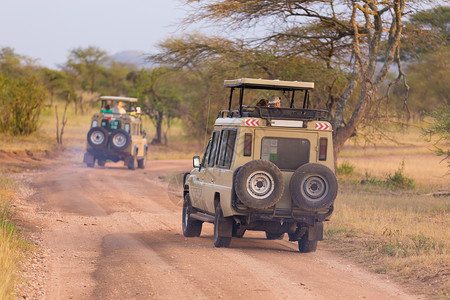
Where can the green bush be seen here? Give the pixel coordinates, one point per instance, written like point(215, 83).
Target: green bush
point(399, 180)
point(345, 168)
point(21, 100)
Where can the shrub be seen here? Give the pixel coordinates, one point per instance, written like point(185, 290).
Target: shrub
point(345, 168)
point(21, 100)
point(399, 180)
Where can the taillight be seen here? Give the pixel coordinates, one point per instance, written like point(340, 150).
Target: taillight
point(323, 143)
point(248, 144)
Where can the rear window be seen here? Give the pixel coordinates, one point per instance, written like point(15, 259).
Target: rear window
point(286, 153)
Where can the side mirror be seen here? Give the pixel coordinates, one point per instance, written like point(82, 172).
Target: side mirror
point(196, 161)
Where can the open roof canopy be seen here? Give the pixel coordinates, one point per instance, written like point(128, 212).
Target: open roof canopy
point(123, 99)
point(268, 84)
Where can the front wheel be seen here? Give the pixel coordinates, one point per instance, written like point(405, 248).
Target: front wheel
point(223, 228)
point(191, 227)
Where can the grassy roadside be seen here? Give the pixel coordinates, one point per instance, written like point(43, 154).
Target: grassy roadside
point(12, 246)
point(392, 224)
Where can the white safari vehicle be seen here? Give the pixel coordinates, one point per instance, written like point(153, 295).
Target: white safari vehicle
point(265, 168)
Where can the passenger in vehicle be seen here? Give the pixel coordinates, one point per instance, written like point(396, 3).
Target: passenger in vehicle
point(106, 109)
point(263, 103)
point(118, 109)
point(274, 101)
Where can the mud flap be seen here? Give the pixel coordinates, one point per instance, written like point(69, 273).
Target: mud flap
point(88, 158)
point(316, 233)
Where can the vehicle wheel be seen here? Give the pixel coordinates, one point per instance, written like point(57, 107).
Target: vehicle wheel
point(132, 162)
point(305, 245)
point(313, 186)
point(97, 137)
point(191, 227)
point(119, 140)
point(259, 184)
point(143, 161)
point(274, 236)
point(223, 228)
point(101, 162)
point(90, 165)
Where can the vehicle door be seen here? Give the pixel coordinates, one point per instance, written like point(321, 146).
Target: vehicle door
point(198, 178)
point(219, 176)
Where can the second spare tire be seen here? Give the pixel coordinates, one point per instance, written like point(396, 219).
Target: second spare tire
point(259, 184)
point(313, 186)
point(119, 140)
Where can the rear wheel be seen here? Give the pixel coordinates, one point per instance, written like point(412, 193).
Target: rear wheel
point(191, 227)
point(223, 228)
point(132, 163)
point(101, 162)
point(305, 245)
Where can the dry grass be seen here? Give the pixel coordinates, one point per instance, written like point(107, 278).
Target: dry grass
point(403, 233)
point(11, 245)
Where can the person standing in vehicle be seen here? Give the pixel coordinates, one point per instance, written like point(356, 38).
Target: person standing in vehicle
point(118, 109)
point(274, 101)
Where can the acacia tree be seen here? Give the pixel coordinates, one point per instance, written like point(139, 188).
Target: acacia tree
point(349, 34)
point(157, 96)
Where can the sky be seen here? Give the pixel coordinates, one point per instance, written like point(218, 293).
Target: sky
point(48, 29)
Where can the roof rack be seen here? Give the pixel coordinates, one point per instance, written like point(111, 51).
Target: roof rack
point(114, 98)
point(282, 85)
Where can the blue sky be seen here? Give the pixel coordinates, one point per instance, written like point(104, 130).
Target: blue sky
point(48, 29)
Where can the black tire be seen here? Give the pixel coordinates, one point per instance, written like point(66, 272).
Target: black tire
point(223, 228)
point(143, 161)
point(191, 227)
point(132, 162)
point(119, 140)
point(97, 137)
point(313, 187)
point(259, 184)
point(305, 245)
point(90, 165)
point(101, 162)
point(274, 236)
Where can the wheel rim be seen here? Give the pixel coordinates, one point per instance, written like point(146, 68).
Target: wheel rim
point(119, 140)
point(97, 137)
point(260, 184)
point(314, 188)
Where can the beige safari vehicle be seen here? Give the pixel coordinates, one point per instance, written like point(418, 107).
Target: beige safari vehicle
point(116, 134)
point(265, 168)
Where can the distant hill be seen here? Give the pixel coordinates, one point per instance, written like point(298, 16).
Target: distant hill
point(133, 57)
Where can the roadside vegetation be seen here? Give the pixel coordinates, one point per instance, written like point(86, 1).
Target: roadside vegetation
point(12, 246)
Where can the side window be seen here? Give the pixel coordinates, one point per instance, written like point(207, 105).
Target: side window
point(212, 154)
point(286, 153)
point(206, 155)
point(226, 148)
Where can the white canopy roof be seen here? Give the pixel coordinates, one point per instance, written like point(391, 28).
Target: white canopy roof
point(114, 98)
point(268, 84)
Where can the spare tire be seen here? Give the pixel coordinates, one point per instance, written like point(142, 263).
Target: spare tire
point(119, 140)
point(313, 186)
point(259, 184)
point(97, 137)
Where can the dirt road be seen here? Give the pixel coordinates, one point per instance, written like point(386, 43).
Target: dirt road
point(111, 233)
